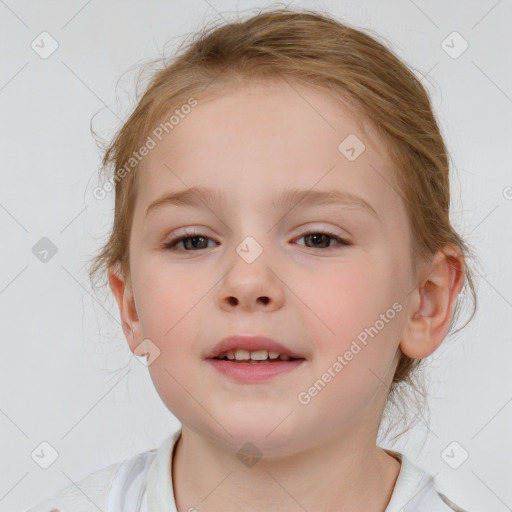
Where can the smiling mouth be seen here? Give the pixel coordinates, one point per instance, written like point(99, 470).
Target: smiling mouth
point(254, 357)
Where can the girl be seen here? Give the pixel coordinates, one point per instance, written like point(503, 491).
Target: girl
point(283, 258)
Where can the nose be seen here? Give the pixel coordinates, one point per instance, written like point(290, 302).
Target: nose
point(251, 286)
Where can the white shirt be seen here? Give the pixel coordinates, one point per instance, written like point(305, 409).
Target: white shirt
point(143, 483)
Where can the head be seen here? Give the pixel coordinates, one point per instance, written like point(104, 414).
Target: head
point(251, 109)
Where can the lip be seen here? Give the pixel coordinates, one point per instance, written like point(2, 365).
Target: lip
point(250, 343)
point(247, 372)
point(254, 372)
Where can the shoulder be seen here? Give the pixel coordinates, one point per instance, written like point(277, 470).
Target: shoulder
point(110, 488)
point(430, 499)
point(87, 495)
point(102, 489)
point(416, 491)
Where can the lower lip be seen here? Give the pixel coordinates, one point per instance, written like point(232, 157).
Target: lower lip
point(254, 372)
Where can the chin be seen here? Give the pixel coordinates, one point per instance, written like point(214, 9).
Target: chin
point(265, 434)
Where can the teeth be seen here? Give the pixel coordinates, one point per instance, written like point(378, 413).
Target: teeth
point(256, 355)
point(240, 355)
point(259, 355)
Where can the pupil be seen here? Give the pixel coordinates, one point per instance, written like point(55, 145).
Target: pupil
point(195, 238)
point(315, 235)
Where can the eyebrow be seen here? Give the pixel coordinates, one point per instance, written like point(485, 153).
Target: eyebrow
point(200, 197)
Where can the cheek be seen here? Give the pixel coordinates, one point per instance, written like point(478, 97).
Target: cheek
point(342, 295)
point(355, 349)
point(358, 303)
point(169, 381)
point(170, 303)
point(166, 295)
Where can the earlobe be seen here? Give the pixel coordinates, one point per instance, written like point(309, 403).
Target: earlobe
point(130, 324)
point(433, 303)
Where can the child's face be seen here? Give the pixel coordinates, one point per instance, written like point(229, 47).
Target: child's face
point(309, 293)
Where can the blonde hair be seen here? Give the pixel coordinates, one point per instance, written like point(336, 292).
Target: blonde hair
point(312, 48)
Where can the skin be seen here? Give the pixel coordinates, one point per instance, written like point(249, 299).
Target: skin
point(250, 142)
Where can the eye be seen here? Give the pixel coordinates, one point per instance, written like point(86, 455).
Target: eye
point(320, 238)
point(196, 241)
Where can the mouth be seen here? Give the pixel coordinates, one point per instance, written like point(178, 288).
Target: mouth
point(254, 357)
point(252, 350)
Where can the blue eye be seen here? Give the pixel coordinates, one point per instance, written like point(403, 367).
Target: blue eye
point(196, 241)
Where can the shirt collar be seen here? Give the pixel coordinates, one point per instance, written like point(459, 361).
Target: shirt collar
point(160, 493)
point(161, 498)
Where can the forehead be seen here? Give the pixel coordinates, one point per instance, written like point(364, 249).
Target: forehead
point(249, 139)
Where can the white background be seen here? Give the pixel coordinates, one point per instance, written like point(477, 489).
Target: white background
point(66, 374)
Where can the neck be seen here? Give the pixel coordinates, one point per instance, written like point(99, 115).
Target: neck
point(341, 475)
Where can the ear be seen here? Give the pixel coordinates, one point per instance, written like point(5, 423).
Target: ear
point(122, 290)
point(433, 303)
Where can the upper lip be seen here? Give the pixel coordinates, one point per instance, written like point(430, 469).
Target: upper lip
point(250, 343)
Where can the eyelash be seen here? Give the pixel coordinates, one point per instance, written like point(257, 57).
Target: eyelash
point(171, 244)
